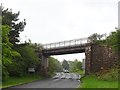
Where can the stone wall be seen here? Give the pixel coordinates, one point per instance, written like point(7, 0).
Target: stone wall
point(100, 57)
point(88, 59)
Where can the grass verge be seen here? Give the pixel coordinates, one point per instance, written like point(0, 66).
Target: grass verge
point(94, 82)
point(12, 81)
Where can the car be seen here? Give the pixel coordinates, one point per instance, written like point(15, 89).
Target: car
point(66, 71)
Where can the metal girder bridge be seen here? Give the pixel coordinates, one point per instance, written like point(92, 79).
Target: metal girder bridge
point(66, 47)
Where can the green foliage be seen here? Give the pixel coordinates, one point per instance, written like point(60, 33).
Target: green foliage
point(11, 19)
point(54, 65)
point(29, 56)
point(108, 75)
point(18, 62)
point(27, 60)
point(15, 60)
point(51, 65)
point(5, 73)
point(75, 65)
point(5, 32)
point(95, 37)
point(113, 39)
point(58, 66)
point(92, 81)
point(103, 79)
point(8, 54)
point(79, 65)
point(12, 81)
point(65, 65)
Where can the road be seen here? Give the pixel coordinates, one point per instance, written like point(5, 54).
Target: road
point(60, 80)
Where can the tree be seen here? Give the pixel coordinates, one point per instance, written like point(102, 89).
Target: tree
point(75, 65)
point(58, 66)
point(54, 65)
point(113, 39)
point(11, 19)
point(65, 65)
point(8, 54)
point(16, 58)
point(28, 54)
point(95, 37)
point(72, 65)
point(79, 65)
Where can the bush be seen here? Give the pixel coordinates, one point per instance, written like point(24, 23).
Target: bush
point(109, 75)
point(5, 73)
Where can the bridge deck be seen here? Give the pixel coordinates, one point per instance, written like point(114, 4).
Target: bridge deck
point(80, 48)
point(66, 47)
point(65, 44)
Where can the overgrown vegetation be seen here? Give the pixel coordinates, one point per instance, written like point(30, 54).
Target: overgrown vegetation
point(104, 78)
point(108, 75)
point(111, 40)
point(92, 81)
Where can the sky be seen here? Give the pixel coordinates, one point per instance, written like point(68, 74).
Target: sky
point(58, 20)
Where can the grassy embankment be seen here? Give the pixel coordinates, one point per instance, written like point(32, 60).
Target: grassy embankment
point(107, 79)
point(94, 82)
point(12, 81)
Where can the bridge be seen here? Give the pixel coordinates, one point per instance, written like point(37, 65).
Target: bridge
point(66, 47)
point(63, 47)
point(97, 57)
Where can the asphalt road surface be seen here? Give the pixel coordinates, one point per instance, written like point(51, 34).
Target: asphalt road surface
point(60, 80)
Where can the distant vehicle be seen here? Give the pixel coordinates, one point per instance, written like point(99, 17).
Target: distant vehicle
point(66, 71)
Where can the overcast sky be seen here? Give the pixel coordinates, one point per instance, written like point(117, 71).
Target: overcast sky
point(58, 20)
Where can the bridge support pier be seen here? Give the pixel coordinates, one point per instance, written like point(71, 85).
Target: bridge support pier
point(88, 60)
point(44, 65)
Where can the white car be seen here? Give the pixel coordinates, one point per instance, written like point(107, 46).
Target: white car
point(66, 71)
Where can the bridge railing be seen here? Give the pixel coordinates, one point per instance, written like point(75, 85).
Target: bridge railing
point(67, 43)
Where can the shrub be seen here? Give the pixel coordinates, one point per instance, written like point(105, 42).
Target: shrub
point(5, 73)
point(109, 75)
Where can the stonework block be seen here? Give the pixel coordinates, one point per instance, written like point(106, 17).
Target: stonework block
point(99, 57)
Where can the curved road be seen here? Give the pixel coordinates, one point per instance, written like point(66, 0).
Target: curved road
point(61, 80)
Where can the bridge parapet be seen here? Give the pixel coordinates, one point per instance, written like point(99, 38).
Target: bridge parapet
point(67, 43)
